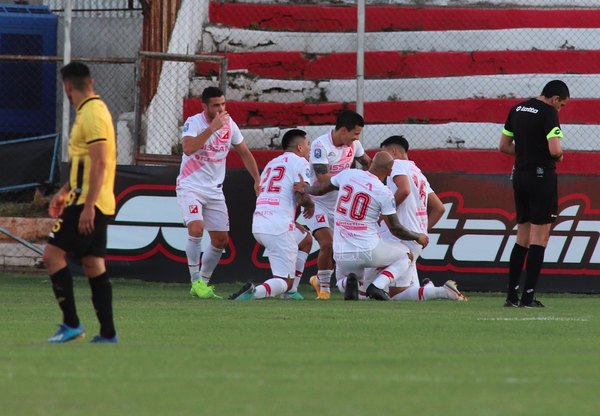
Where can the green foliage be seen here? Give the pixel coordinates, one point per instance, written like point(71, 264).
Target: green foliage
point(184, 356)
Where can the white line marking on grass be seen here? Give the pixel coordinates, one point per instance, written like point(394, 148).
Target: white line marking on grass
point(536, 318)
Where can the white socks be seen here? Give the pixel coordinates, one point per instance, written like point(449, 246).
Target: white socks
point(428, 292)
point(271, 288)
point(210, 259)
point(324, 279)
point(192, 252)
point(300, 262)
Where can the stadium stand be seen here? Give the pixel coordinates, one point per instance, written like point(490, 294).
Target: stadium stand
point(442, 75)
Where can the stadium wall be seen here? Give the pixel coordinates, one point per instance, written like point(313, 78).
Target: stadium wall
point(471, 244)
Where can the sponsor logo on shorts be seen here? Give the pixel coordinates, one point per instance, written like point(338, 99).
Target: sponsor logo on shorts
point(193, 209)
point(320, 218)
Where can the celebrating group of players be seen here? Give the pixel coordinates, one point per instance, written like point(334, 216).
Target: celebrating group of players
point(371, 224)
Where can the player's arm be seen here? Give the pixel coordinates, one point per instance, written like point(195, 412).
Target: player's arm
point(435, 209)
point(506, 145)
point(321, 188)
point(555, 148)
point(402, 233)
point(59, 200)
point(98, 152)
point(304, 200)
point(403, 191)
point(364, 160)
point(249, 163)
point(321, 172)
point(191, 144)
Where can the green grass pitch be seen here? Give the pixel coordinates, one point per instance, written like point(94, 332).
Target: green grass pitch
point(183, 356)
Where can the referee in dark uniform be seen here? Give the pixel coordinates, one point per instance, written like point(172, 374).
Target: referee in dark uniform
point(532, 134)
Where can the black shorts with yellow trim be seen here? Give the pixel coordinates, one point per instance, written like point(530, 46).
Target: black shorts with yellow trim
point(65, 233)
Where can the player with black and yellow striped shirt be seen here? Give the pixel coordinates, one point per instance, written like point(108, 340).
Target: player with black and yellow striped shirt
point(83, 207)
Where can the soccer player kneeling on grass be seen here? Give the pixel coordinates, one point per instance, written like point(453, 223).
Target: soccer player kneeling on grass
point(273, 224)
point(362, 199)
point(418, 209)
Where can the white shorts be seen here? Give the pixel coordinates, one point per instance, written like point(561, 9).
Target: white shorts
point(390, 257)
point(196, 206)
point(412, 275)
point(299, 235)
point(321, 219)
point(282, 250)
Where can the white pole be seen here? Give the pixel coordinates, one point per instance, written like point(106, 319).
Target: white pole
point(68, 17)
point(360, 58)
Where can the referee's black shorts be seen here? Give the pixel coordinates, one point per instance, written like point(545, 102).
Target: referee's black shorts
point(536, 196)
point(65, 233)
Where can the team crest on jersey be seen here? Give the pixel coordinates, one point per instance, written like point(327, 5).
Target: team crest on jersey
point(186, 127)
point(317, 153)
point(193, 209)
point(320, 218)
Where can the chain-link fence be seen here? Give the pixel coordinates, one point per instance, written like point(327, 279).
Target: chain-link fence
point(161, 111)
point(442, 76)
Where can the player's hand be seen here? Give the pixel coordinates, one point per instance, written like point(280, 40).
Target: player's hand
point(257, 188)
point(309, 211)
point(300, 187)
point(219, 120)
point(423, 240)
point(86, 220)
point(57, 204)
point(302, 228)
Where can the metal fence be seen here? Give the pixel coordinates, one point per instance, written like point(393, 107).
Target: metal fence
point(443, 76)
point(161, 111)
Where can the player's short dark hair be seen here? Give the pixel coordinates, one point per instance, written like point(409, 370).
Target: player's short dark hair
point(291, 137)
point(397, 141)
point(211, 92)
point(556, 87)
point(349, 119)
point(77, 73)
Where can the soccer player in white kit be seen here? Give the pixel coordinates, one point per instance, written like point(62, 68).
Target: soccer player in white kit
point(331, 154)
point(418, 209)
point(207, 139)
point(362, 199)
point(273, 223)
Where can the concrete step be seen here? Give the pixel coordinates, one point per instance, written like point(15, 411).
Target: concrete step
point(397, 64)
point(384, 18)
point(224, 39)
point(484, 110)
point(428, 136)
point(244, 87)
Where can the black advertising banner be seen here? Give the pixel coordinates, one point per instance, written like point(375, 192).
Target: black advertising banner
point(471, 244)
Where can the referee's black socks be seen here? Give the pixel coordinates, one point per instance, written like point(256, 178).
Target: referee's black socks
point(102, 300)
point(62, 285)
point(515, 269)
point(535, 258)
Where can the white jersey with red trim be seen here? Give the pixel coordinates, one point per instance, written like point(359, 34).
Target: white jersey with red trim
point(276, 206)
point(412, 212)
point(337, 158)
point(362, 198)
point(204, 170)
